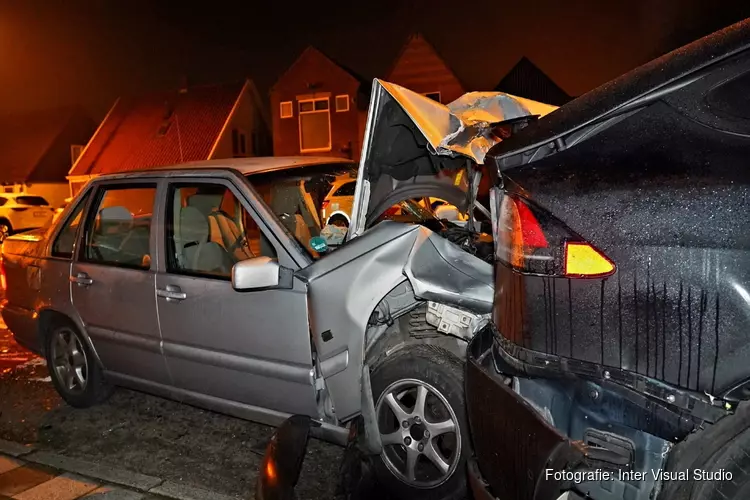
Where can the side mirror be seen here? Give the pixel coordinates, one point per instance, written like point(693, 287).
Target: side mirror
point(282, 462)
point(260, 273)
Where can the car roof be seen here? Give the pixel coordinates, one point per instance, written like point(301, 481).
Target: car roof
point(607, 99)
point(245, 166)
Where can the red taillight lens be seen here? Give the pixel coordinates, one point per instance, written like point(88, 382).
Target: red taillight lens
point(533, 241)
point(325, 204)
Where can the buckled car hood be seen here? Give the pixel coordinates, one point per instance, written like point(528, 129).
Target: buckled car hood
point(417, 147)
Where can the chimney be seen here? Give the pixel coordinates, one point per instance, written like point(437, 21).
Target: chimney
point(183, 84)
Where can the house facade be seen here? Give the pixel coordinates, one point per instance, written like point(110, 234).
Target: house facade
point(318, 108)
point(172, 127)
point(525, 79)
point(39, 148)
point(418, 67)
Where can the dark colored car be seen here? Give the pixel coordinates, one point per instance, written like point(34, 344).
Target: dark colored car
point(617, 365)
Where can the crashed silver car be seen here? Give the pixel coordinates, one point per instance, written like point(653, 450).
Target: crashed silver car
point(215, 284)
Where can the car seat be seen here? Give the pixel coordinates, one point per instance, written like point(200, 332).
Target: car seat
point(198, 252)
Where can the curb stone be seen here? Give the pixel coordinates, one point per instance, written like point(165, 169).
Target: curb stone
point(183, 492)
point(14, 449)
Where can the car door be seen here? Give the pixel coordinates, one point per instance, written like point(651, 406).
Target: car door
point(249, 347)
point(112, 281)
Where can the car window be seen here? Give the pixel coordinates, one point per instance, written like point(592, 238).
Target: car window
point(346, 189)
point(63, 245)
point(32, 201)
point(208, 231)
point(118, 229)
point(3, 201)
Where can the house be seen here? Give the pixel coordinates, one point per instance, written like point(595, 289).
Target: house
point(318, 107)
point(418, 67)
point(38, 148)
point(525, 79)
point(166, 128)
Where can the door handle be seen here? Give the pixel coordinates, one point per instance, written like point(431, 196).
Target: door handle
point(81, 279)
point(172, 293)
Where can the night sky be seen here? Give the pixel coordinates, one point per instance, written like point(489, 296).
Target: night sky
point(55, 52)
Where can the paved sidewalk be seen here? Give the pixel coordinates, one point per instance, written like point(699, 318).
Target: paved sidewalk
point(26, 474)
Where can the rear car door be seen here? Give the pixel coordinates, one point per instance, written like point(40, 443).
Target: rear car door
point(248, 347)
point(112, 281)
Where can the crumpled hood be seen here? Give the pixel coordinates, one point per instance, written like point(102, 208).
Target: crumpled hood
point(416, 145)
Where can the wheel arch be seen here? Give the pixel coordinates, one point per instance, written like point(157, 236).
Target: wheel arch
point(48, 317)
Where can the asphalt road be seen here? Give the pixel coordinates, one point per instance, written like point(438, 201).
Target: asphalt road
point(146, 434)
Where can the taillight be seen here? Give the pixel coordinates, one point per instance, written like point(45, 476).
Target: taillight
point(3, 282)
point(533, 241)
point(325, 204)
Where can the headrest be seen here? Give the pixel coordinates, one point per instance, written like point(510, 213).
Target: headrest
point(114, 215)
point(206, 203)
point(193, 225)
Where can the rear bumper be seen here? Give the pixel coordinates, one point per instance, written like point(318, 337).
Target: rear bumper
point(514, 445)
point(23, 324)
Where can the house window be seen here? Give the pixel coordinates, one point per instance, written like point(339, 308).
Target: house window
point(75, 152)
point(314, 125)
point(342, 103)
point(287, 110)
point(239, 143)
point(435, 96)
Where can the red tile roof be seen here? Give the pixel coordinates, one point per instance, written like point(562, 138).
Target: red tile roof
point(26, 138)
point(130, 139)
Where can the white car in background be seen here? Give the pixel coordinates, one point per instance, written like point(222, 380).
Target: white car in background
point(20, 212)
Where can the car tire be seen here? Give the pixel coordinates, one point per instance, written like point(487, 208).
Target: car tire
point(338, 220)
point(74, 371)
point(721, 450)
point(419, 404)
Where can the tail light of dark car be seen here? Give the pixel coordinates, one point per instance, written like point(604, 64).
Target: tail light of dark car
point(533, 241)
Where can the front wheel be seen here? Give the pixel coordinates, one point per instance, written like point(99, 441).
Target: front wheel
point(419, 403)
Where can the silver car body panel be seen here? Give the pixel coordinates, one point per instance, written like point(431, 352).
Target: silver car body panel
point(461, 130)
point(346, 286)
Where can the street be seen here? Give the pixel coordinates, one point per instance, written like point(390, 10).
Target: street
point(145, 434)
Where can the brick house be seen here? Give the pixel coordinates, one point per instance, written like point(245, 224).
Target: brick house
point(418, 67)
point(166, 128)
point(318, 107)
point(39, 148)
point(525, 79)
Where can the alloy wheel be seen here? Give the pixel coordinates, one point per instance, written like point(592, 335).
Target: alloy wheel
point(69, 360)
point(420, 433)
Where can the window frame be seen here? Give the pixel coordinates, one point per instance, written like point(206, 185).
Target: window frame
point(291, 109)
point(301, 113)
point(239, 143)
point(436, 92)
point(95, 199)
point(336, 103)
point(169, 264)
point(84, 201)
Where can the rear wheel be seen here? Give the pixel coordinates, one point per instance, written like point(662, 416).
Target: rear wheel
point(420, 409)
point(75, 373)
point(338, 220)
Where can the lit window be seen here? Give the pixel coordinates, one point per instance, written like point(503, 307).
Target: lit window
point(314, 125)
point(435, 96)
point(287, 110)
point(342, 103)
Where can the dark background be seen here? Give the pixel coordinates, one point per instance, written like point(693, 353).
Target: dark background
point(55, 52)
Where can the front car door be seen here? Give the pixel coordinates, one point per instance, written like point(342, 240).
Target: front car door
point(112, 281)
point(241, 347)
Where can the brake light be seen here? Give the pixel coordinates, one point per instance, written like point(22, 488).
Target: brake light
point(533, 241)
point(325, 204)
point(3, 282)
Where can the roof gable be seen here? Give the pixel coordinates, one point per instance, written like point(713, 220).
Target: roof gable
point(419, 67)
point(525, 79)
point(26, 138)
point(162, 128)
point(312, 57)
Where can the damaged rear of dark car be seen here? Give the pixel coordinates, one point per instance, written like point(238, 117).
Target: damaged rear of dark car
point(619, 341)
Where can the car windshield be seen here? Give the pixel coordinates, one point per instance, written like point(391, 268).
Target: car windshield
point(33, 201)
point(309, 202)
